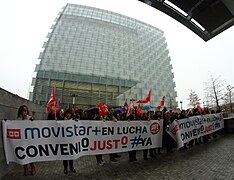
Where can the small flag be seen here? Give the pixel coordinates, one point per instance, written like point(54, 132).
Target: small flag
point(52, 100)
point(139, 111)
point(103, 109)
point(77, 108)
point(199, 109)
point(131, 106)
point(162, 102)
point(125, 106)
point(159, 107)
point(147, 99)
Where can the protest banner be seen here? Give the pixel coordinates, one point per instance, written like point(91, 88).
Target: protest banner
point(48, 140)
point(185, 130)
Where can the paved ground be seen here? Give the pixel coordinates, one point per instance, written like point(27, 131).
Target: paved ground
point(214, 160)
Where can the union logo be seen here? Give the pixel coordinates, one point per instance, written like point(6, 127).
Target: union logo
point(154, 128)
point(13, 134)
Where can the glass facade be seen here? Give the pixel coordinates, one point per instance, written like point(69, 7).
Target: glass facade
point(101, 56)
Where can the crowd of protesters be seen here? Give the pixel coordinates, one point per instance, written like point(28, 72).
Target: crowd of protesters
point(167, 116)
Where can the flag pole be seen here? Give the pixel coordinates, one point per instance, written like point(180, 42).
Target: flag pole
point(55, 117)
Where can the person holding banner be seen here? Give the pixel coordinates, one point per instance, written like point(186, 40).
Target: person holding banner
point(132, 154)
point(23, 114)
point(144, 117)
point(68, 116)
point(183, 115)
point(152, 151)
point(99, 157)
point(110, 117)
point(168, 140)
point(158, 116)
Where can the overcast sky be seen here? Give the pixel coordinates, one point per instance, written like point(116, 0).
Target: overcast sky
point(25, 24)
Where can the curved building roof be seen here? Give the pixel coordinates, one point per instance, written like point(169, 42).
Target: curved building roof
point(206, 18)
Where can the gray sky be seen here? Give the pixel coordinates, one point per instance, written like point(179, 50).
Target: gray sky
point(25, 24)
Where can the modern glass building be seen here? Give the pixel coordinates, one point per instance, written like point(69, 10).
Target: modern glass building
point(94, 55)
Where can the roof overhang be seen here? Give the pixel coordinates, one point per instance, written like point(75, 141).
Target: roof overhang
point(206, 18)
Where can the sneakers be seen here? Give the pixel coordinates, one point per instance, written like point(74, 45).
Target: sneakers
point(65, 171)
point(72, 170)
point(100, 163)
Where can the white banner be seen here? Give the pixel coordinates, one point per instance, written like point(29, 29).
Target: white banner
point(47, 140)
point(185, 130)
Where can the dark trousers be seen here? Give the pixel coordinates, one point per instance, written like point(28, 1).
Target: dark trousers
point(169, 143)
point(145, 153)
point(99, 158)
point(132, 155)
point(152, 152)
point(65, 164)
point(112, 156)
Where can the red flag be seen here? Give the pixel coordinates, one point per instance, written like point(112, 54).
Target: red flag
point(162, 102)
point(159, 107)
point(129, 108)
point(147, 99)
point(132, 105)
point(103, 109)
point(199, 109)
point(142, 101)
point(149, 96)
point(52, 100)
point(125, 106)
point(54, 110)
point(139, 111)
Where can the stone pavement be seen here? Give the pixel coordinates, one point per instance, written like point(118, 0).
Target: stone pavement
point(210, 161)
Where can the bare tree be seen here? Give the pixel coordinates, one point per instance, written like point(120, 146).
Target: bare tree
point(228, 97)
point(193, 99)
point(214, 92)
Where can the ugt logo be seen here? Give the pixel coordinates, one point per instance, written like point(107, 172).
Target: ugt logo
point(154, 128)
point(13, 134)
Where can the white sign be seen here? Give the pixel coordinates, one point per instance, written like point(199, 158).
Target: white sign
point(47, 140)
point(185, 130)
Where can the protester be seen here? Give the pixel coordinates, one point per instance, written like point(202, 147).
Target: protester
point(110, 117)
point(158, 116)
point(99, 158)
point(23, 114)
point(132, 153)
point(68, 116)
point(168, 138)
point(145, 151)
point(152, 151)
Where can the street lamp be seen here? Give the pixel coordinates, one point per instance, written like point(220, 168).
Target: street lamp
point(229, 88)
point(181, 105)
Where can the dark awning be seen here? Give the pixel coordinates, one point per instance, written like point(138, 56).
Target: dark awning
point(206, 18)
